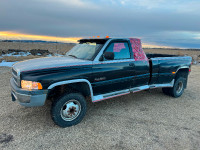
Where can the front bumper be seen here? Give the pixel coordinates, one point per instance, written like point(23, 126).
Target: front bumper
point(28, 98)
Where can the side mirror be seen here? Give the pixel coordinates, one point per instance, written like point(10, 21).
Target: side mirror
point(108, 55)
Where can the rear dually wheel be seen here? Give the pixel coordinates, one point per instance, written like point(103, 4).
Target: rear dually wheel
point(178, 88)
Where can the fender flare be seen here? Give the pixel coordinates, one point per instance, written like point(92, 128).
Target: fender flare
point(182, 67)
point(73, 81)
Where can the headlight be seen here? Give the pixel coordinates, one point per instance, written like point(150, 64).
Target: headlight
point(31, 85)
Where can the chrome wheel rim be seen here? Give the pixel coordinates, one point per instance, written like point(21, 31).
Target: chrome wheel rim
point(70, 110)
point(179, 87)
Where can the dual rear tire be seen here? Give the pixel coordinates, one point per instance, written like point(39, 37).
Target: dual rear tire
point(178, 88)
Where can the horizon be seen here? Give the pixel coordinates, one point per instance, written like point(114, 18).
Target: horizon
point(6, 35)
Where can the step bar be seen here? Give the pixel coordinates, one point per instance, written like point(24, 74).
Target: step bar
point(128, 91)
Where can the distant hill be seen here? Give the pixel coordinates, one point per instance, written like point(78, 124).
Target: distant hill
point(51, 46)
point(32, 41)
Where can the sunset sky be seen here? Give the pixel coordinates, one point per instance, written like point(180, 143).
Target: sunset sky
point(21, 36)
point(157, 22)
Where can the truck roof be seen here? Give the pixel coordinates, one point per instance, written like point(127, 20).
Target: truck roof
point(96, 40)
point(103, 40)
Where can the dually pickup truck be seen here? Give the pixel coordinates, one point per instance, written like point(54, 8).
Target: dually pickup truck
point(98, 69)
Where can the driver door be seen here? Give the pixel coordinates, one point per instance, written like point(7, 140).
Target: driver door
point(114, 75)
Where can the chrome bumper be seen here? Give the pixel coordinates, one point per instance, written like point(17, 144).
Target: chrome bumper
point(27, 98)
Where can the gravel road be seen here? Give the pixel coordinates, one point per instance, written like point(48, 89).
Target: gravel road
point(144, 120)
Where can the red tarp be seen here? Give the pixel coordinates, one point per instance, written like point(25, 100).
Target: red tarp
point(137, 49)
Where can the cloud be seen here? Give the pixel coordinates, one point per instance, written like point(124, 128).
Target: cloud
point(75, 3)
point(156, 21)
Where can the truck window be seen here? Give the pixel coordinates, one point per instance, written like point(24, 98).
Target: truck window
point(85, 50)
point(121, 50)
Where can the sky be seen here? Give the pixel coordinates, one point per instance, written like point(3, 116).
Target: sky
point(157, 22)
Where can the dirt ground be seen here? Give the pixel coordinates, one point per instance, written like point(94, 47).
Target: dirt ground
point(144, 120)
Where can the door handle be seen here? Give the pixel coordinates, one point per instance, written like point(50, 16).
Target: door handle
point(132, 64)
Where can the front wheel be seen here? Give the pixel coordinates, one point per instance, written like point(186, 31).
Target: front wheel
point(69, 110)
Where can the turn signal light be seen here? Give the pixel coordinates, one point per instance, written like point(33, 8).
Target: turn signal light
point(107, 36)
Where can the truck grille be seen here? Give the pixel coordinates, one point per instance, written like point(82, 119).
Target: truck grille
point(15, 77)
point(14, 72)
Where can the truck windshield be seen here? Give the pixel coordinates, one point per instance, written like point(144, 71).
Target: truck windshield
point(85, 51)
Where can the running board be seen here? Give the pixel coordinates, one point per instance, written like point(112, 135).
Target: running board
point(140, 88)
point(171, 84)
point(110, 95)
point(128, 91)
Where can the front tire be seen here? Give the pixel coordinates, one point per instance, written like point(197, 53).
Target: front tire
point(68, 110)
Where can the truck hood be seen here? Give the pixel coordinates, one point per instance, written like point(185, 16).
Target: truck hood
point(48, 62)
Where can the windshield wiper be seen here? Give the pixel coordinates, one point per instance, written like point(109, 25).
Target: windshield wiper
point(72, 56)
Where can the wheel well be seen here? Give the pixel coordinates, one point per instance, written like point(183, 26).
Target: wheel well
point(79, 87)
point(182, 72)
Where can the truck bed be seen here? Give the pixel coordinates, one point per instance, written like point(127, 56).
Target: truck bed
point(163, 67)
